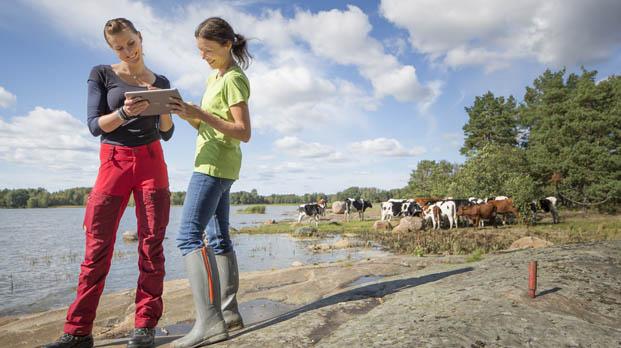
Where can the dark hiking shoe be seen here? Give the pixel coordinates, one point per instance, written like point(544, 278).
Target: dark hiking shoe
point(143, 337)
point(71, 341)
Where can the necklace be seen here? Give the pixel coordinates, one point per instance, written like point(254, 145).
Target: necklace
point(136, 78)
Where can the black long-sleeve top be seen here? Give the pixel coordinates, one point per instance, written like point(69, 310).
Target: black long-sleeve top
point(106, 93)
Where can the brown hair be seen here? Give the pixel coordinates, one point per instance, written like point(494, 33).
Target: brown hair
point(219, 30)
point(117, 25)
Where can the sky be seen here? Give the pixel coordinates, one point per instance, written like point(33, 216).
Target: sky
point(343, 94)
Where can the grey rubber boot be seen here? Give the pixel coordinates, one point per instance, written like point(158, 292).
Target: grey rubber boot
point(229, 285)
point(209, 326)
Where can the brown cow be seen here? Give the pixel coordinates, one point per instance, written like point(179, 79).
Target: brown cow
point(476, 212)
point(434, 213)
point(504, 207)
point(424, 201)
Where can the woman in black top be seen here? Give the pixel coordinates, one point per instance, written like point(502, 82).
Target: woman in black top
point(131, 162)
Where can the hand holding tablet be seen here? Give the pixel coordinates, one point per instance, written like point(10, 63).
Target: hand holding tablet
point(158, 99)
point(185, 110)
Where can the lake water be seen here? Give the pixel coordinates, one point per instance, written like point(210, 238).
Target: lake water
point(42, 250)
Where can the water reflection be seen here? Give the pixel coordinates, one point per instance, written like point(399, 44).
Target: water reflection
point(43, 248)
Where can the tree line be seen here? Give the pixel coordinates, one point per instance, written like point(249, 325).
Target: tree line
point(41, 198)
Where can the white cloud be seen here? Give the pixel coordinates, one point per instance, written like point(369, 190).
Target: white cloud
point(327, 177)
point(343, 37)
point(492, 33)
point(300, 149)
point(6, 98)
point(294, 96)
point(291, 88)
point(50, 140)
point(385, 147)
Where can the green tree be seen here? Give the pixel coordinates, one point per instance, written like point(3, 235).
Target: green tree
point(573, 128)
point(487, 173)
point(16, 198)
point(431, 178)
point(491, 120)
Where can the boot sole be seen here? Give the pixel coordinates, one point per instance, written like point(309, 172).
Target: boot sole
point(213, 339)
point(235, 327)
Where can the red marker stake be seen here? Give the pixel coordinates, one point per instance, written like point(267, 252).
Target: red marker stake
point(532, 279)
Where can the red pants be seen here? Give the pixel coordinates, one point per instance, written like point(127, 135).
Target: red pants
point(124, 170)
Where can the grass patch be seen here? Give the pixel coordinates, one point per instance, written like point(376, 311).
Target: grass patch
point(253, 209)
point(574, 228)
point(476, 255)
point(324, 228)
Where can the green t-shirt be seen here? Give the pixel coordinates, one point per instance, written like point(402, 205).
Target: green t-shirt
point(217, 154)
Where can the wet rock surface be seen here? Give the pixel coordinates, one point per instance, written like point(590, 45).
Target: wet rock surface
point(396, 301)
point(481, 304)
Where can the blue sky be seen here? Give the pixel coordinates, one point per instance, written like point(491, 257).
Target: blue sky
point(343, 93)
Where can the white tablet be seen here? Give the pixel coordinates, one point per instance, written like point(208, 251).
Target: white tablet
point(158, 98)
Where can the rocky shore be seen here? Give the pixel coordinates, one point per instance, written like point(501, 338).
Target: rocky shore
point(395, 301)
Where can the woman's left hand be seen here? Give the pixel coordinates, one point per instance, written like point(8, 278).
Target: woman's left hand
point(185, 110)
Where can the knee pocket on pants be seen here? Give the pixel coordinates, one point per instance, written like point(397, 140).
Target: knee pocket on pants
point(157, 204)
point(102, 211)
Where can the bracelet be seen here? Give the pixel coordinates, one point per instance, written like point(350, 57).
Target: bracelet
point(122, 114)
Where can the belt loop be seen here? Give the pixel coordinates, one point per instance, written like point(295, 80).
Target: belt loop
point(111, 154)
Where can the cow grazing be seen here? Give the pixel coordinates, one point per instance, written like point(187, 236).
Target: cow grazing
point(359, 205)
point(432, 212)
point(475, 200)
point(497, 198)
point(411, 208)
point(504, 207)
point(447, 209)
point(312, 210)
point(478, 212)
point(426, 201)
point(548, 205)
point(458, 204)
point(392, 208)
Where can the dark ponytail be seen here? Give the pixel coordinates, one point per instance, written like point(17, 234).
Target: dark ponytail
point(219, 30)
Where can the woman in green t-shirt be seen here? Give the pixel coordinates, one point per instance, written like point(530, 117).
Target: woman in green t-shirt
point(222, 121)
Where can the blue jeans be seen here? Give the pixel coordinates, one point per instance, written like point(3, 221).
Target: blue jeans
point(206, 205)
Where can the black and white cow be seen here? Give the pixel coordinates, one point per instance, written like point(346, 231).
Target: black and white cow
point(475, 200)
point(392, 208)
point(359, 205)
point(312, 210)
point(446, 209)
point(411, 208)
point(548, 205)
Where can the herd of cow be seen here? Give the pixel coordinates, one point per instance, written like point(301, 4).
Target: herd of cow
point(472, 211)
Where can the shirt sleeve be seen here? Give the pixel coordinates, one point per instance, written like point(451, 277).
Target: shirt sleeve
point(97, 104)
point(236, 89)
point(168, 134)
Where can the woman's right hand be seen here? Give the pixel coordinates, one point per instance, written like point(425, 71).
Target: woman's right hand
point(135, 106)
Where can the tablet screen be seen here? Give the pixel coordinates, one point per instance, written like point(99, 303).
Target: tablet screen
point(158, 98)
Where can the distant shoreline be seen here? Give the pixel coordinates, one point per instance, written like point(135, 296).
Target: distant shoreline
point(172, 205)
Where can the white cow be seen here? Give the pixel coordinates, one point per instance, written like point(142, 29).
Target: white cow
point(391, 208)
point(445, 208)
